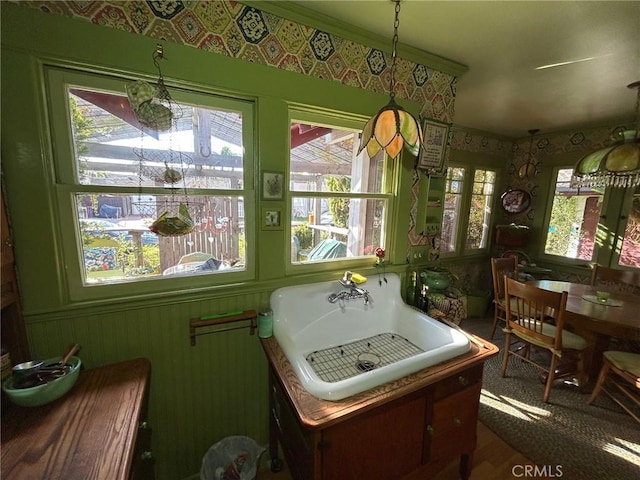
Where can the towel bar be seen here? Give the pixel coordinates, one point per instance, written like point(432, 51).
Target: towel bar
point(222, 318)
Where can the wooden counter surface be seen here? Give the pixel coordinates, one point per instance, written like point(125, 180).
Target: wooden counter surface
point(316, 413)
point(89, 433)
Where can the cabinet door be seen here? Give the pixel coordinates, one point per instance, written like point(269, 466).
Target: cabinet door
point(297, 442)
point(384, 443)
point(451, 429)
point(143, 460)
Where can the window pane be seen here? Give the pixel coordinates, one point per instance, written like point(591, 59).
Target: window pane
point(451, 215)
point(203, 149)
point(630, 254)
point(118, 246)
point(344, 227)
point(574, 219)
point(323, 159)
point(480, 211)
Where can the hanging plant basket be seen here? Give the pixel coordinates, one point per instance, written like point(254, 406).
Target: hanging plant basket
point(169, 225)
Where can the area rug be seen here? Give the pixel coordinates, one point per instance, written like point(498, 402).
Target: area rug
point(565, 438)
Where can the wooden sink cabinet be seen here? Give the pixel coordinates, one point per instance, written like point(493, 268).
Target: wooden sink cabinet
point(407, 429)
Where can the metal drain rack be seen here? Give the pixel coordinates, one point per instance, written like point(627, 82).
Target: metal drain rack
point(345, 361)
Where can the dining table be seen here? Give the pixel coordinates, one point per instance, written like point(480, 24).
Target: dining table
point(595, 321)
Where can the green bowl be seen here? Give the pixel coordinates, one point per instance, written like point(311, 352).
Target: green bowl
point(436, 280)
point(43, 394)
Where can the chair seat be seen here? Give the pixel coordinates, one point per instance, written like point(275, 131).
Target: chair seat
point(570, 340)
point(539, 320)
point(627, 361)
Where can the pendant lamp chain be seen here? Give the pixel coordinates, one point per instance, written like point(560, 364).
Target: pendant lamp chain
point(392, 128)
point(394, 47)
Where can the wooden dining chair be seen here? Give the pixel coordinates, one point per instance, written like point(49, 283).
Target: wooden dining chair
point(545, 331)
point(622, 371)
point(499, 268)
point(620, 280)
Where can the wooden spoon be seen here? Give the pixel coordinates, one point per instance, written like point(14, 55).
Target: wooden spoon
point(72, 349)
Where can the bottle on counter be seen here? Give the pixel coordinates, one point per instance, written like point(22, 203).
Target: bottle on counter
point(411, 290)
point(423, 300)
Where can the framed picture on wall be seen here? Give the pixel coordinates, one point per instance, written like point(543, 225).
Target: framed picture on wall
point(272, 185)
point(272, 218)
point(434, 145)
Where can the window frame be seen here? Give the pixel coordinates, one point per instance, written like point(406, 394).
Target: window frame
point(297, 113)
point(460, 249)
point(65, 182)
point(616, 204)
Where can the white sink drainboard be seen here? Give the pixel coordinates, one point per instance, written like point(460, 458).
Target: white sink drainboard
point(346, 361)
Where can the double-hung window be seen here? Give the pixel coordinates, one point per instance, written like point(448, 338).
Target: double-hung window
point(340, 200)
point(469, 199)
point(147, 204)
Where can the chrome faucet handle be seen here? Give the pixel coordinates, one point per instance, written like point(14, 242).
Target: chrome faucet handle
point(346, 281)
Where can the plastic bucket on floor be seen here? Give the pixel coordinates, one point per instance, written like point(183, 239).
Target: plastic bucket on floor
point(232, 458)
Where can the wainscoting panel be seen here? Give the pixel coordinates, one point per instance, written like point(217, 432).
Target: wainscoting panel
point(199, 394)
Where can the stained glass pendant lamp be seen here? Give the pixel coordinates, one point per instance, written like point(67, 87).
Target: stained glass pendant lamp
point(392, 127)
point(614, 166)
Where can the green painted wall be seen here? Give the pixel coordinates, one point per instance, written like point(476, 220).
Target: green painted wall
point(219, 387)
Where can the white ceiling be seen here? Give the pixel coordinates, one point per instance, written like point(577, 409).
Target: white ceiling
point(503, 42)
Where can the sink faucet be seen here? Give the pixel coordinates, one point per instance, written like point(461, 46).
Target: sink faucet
point(353, 292)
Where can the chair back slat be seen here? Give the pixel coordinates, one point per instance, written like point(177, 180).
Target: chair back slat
point(532, 310)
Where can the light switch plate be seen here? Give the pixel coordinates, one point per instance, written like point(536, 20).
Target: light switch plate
point(419, 254)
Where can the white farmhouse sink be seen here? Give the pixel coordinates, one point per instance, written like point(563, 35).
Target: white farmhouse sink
point(308, 328)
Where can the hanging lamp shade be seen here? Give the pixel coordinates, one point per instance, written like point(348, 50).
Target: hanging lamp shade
point(392, 127)
point(390, 130)
point(615, 166)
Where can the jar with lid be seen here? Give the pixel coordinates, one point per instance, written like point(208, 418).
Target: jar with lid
point(265, 323)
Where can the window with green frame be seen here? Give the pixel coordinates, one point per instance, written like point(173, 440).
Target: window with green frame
point(339, 200)
point(148, 204)
point(468, 207)
point(593, 224)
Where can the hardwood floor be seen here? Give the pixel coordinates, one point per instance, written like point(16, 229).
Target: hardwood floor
point(493, 460)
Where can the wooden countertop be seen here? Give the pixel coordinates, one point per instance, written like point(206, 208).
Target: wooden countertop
point(87, 434)
point(317, 413)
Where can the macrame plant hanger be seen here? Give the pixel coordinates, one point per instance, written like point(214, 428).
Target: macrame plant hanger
point(156, 111)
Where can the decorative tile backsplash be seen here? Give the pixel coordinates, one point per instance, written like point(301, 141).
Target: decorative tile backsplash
point(247, 33)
